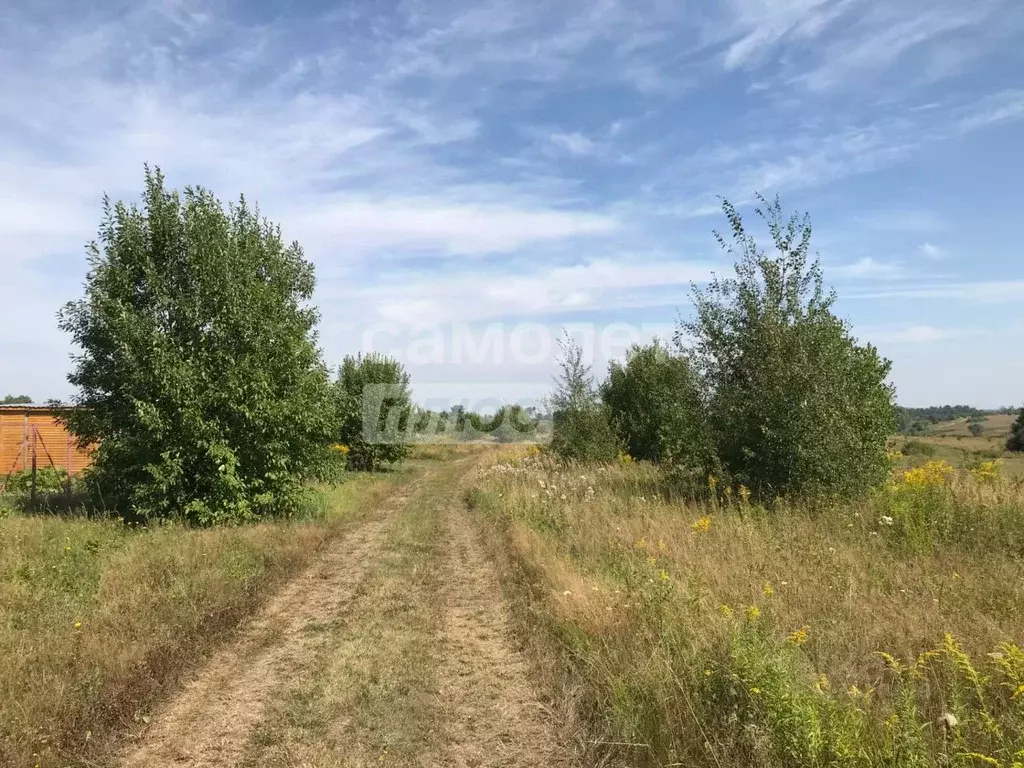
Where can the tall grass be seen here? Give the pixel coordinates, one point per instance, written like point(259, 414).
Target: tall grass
point(98, 618)
point(722, 633)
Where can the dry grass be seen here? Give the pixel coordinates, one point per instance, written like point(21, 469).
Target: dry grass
point(419, 669)
point(727, 634)
point(994, 426)
point(100, 619)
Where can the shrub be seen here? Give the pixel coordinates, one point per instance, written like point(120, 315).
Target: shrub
point(919, 448)
point(1016, 439)
point(199, 376)
point(582, 425)
point(654, 405)
point(796, 406)
point(374, 406)
point(975, 428)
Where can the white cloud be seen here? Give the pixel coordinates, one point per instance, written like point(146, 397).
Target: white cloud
point(358, 225)
point(915, 334)
point(1002, 107)
point(982, 292)
point(932, 252)
point(574, 143)
point(867, 267)
point(885, 35)
point(410, 298)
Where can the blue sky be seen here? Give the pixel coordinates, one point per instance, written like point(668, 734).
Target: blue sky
point(458, 169)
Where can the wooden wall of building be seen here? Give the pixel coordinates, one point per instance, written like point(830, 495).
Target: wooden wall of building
point(27, 428)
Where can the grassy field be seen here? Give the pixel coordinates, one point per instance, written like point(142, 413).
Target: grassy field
point(100, 619)
point(721, 633)
point(994, 426)
point(951, 441)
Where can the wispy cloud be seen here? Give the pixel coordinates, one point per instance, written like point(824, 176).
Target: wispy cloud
point(982, 292)
point(915, 334)
point(867, 267)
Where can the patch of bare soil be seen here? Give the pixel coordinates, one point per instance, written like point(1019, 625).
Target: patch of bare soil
point(209, 723)
point(491, 712)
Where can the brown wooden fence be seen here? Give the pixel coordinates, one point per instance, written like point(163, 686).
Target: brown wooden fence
point(32, 431)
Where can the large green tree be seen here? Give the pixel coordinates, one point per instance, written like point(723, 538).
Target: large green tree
point(795, 404)
point(199, 377)
point(654, 404)
point(374, 404)
point(1016, 439)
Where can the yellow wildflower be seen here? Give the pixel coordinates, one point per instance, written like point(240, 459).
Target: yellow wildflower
point(932, 473)
point(663, 575)
point(725, 610)
point(641, 543)
point(78, 625)
point(755, 691)
point(701, 524)
point(652, 561)
point(799, 636)
point(753, 612)
point(712, 483)
point(986, 471)
point(767, 590)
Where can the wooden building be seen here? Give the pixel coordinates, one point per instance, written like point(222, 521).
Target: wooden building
point(33, 430)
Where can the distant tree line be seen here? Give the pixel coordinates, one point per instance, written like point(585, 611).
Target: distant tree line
point(918, 420)
point(16, 400)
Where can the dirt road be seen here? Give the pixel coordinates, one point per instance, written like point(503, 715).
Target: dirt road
point(394, 648)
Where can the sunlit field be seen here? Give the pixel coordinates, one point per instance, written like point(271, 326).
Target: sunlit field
point(721, 632)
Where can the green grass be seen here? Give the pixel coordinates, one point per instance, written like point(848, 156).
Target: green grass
point(99, 618)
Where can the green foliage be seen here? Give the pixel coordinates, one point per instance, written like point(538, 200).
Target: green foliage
point(511, 424)
point(374, 404)
point(975, 428)
point(795, 404)
point(48, 480)
point(655, 406)
point(1016, 439)
point(582, 425)
point(16, 400)
point(918, 448)
point(199, 376)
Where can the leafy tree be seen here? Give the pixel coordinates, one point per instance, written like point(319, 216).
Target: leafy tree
point(374, 404)
point(582, 425)
point(975, 428)
point(16, 400)
point(199, 376)
point(512, 424)
point(1016, 439)
point(655, 406)
point(795, 404)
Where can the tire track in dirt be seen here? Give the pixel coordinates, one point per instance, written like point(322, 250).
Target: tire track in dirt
point(490, 710)
point(209, 723)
